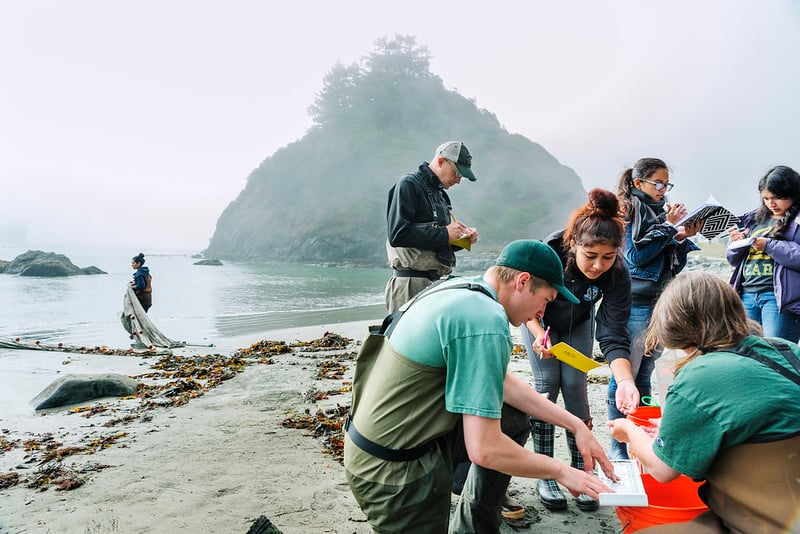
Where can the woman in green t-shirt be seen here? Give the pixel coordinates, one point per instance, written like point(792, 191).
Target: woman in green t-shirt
point(729, 417)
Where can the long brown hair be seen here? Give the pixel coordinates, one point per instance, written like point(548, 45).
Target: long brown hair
point(783, 182)
point(697, 310)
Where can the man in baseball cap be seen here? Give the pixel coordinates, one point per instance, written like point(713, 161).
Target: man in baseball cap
point(423, 234)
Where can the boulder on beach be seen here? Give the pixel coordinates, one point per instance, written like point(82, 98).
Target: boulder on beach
point(208, 262)
point(72, 389)
point(46, 264)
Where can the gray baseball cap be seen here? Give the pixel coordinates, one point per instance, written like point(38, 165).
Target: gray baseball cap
point(457, 152)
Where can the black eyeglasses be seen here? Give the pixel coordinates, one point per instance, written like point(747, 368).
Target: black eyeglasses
point(659, 185)
point(455, 168)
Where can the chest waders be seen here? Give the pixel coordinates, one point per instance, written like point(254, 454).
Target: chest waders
point(738, 504)
point(772, 504)
point(377, 343)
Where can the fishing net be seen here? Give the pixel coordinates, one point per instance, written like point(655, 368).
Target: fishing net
point(140, 327)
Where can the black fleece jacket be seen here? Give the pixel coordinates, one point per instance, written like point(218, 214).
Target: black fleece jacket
point(417, 212)
point(611, 319)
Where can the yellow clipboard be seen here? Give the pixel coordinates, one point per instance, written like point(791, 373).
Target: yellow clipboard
point(463, 243)
point(573, 357)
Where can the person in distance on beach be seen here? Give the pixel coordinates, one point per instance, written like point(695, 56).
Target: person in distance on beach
point(767, 273)
point(655, 250)
point(590, 249)
point(432, 389)
point(141, 282)
point(729, 417)
point(421, 225)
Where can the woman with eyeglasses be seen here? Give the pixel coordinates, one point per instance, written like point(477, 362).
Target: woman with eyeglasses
point(655, 251)
point(767, 273)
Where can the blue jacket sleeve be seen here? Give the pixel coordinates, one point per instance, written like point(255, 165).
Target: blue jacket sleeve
point(651, 251)
point(139, 280)
point(786, 253)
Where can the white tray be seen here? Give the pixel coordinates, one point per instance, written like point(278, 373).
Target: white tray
point(629, 491)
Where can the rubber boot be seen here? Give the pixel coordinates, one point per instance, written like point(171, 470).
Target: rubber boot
point(549, 491)
point(583, 501)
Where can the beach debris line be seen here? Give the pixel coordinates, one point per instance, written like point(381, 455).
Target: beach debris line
point(175, 380)
point(19, 344)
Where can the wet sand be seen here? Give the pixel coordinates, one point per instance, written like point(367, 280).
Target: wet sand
point(220, 461)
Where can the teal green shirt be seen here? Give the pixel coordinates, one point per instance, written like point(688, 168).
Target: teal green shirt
point(722, 399)
point(468, 334)
point(449, 356)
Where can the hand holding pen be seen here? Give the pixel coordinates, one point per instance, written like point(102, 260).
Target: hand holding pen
point(544, 345)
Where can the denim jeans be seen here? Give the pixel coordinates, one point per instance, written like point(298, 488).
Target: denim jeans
point(641, 367)
point(763, 308)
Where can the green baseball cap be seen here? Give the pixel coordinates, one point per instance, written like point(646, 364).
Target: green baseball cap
point(536, 258)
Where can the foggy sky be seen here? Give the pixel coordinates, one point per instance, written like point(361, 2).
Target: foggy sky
point(135, 123)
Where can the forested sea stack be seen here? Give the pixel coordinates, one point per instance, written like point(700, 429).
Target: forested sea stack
point(323, 197)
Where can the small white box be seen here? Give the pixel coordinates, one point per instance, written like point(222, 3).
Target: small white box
point(629, 491)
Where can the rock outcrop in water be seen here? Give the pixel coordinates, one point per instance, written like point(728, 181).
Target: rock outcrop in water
point(45, 264)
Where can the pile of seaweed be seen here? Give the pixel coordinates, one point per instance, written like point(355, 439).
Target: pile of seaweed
point(173, 381)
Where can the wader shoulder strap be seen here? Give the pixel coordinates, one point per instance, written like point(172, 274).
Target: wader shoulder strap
point(391, 320)
point(783, 348)
point(366, 359)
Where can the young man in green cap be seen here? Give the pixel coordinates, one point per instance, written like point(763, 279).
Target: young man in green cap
point(421, 226)
point(433, 395)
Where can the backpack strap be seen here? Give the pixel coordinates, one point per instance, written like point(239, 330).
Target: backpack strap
point(781, 347)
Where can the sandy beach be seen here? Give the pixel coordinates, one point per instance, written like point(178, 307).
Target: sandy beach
point(222, 459)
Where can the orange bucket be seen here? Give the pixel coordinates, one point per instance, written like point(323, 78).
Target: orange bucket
point(674, 502)
point(643, 414)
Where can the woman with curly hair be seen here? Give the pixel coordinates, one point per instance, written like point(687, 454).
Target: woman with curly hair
point(589, 248)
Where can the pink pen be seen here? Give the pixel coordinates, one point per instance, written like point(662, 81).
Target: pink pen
point(546, 338)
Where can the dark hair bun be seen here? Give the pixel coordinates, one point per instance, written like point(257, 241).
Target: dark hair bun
point(139, 258)
point(604, 202)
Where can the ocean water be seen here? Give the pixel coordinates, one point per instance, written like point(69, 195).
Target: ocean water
point(197, 304)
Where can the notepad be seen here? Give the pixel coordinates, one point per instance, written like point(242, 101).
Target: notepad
point(572, 356)
point(741, 243)
point(629, 491)
point(462, 242)
point(716, 218)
